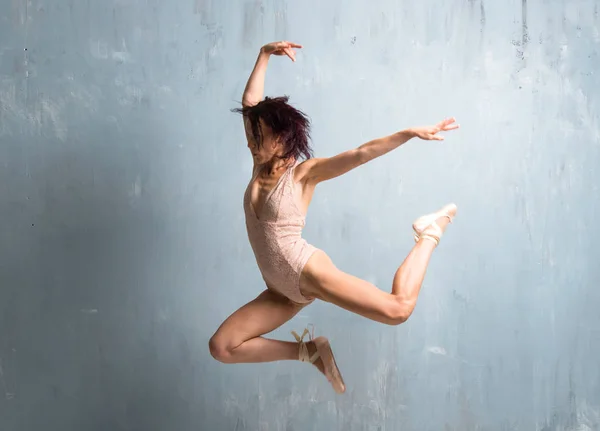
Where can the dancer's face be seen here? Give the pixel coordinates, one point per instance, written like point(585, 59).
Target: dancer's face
point(269, 148)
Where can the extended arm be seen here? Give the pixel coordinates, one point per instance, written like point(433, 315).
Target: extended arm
point(255, 87)
point(322, 169)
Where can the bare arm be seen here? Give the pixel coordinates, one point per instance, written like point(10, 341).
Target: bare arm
point(323, 169)
point(255, 87)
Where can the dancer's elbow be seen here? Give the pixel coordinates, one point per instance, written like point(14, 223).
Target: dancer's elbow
point(398, 312)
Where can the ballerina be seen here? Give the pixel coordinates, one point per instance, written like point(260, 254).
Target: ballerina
point(295, 272)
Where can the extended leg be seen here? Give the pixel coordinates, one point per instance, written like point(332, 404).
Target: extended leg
point(323, 280)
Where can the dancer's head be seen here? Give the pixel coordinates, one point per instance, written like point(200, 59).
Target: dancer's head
point(278, 130)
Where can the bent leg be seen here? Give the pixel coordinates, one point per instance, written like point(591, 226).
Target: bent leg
point(239, 338)
point(323, 280)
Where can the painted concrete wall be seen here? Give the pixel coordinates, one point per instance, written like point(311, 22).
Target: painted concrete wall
point(123, 243)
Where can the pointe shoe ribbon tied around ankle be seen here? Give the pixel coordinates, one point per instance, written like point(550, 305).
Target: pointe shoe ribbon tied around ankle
point(303, 350)
point(323, 351)
point(426, 226)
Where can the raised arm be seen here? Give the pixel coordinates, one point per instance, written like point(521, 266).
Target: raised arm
point(322, 169)
point(255, 87)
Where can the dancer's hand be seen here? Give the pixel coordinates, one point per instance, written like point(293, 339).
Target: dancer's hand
point(281, 48)
point(430, 133)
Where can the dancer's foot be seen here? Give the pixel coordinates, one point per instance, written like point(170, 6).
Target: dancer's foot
point(312, 349)
point(319, 353)
point(432, 226)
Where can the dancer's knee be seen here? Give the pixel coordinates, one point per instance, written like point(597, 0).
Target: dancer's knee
point(220, 349)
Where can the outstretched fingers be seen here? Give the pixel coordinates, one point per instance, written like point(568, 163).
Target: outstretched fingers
point(448, 124)
point(294, 45)
point(443, 126)
point(290, 53)
point(288, 48)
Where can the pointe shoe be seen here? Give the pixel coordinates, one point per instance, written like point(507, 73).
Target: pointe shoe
point(426, 227)
point(332, 372)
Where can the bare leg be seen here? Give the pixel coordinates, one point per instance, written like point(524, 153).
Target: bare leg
point(323, 280)
point(239, 338)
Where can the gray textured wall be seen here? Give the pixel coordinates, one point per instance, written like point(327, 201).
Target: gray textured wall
point(123, 244)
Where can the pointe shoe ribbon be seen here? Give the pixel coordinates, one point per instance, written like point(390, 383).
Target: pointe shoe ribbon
point(323, 351)
point(303, 350)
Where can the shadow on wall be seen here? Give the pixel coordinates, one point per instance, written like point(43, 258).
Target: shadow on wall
point(92, 333)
